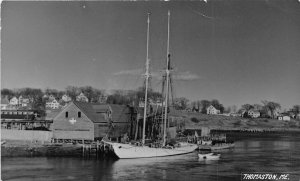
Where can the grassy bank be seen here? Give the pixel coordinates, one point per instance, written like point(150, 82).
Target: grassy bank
point(198, 120)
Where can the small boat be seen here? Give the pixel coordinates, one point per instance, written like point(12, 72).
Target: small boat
point(209, 156)
point(222, 146)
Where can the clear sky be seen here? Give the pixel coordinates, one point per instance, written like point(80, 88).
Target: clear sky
point(235, 51)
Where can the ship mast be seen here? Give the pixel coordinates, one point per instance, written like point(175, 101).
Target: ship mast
point(147, 75)
point(167, 84)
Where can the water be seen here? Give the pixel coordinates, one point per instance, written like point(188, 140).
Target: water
point(267, 153)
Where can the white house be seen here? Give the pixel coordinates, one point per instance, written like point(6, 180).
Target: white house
point(66, 98)
point(284, 118)
point(82, 98)
point(14, 101)
point(212, 110)
point(54, 104)
point(253, 113)
point(23, 101)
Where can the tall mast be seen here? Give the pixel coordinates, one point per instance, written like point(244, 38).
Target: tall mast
point(147, 75)
point(167, 85)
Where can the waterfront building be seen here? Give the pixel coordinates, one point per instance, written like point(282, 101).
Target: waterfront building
point(89, 121)
point(22, 120)
point(212, 110)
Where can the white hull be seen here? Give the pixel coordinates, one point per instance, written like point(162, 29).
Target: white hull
point(132, 151)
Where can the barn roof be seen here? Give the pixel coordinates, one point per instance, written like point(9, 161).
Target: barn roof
point(90, 112)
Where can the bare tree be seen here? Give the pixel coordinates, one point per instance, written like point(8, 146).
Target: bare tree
point(272, 107)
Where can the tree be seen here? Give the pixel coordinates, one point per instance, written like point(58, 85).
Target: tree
point(234, 108)
point(7, 93)
point(72, 92)
point(247, 107)
point(272, 107)
point(204, 104)
point(217, 105)
point(53, 92)
point(296, 109)
point(257, 107)
point(181, 103)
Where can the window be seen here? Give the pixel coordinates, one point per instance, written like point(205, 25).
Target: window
point(67, 114)
point(79, 114)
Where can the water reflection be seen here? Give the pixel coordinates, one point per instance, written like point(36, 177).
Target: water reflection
point(267, 154)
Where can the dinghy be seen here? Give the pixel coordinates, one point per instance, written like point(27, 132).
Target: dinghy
point(209, 156)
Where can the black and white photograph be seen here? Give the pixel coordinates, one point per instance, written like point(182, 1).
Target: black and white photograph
point(191, 90)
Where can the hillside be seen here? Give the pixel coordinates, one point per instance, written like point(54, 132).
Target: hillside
point(198, 120)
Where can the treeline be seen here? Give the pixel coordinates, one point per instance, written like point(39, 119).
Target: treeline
point(134, 97)
point(94, 95)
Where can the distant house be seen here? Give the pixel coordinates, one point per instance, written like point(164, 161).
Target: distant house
point(212, 110)
point(23, 101)
point(82, 98)
point(51, 97)
point(4, 103)
point(88, 121)
point(54, 104)
point(284, 117)
point(253, 113)
point(14, 101)
point(66, 98)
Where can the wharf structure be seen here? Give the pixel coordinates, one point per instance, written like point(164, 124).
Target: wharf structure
point(83, 122)
point(76, 122)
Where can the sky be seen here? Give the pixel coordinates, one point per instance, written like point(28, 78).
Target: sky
point(238, 51)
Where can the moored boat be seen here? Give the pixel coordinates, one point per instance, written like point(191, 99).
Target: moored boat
point(162, 149)
point(133, 151)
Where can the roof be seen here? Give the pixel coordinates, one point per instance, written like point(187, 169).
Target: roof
point(120, 113)
point(101, 108)
point(50, 114)
point(90, 112)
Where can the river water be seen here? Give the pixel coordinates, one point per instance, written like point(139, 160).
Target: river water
point(266, 153)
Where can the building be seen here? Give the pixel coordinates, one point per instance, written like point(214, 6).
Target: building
point(253, 113)
point(22, 120)
point(54, 104)
point(82, 98)
point(212, 110)
point(87, 121)
point(284, 118)
point(66, 98)
point(14, 101)
point(23, 102)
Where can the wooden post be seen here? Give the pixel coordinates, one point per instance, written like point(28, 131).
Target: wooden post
point(137, 126)
point(82, 148)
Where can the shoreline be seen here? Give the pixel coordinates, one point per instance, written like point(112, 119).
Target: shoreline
point(28, 149)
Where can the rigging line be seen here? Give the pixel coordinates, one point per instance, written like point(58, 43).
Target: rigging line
point(201, 14)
